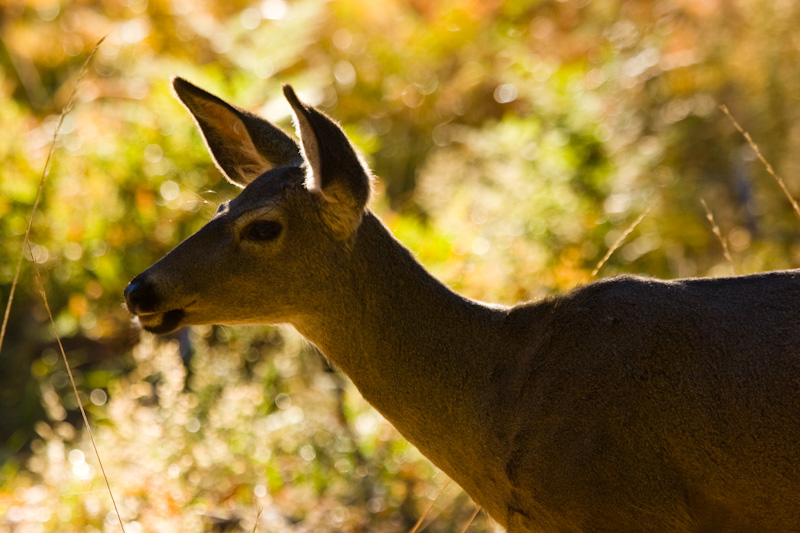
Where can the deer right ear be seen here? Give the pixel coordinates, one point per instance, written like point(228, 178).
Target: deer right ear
point(242, 144)
point(333, 166)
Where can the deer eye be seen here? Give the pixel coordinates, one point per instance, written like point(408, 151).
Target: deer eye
point(262, 230)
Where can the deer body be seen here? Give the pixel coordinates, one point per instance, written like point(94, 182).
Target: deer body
point(628, 404)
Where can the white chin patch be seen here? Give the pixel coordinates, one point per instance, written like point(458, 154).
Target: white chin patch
point(161, 323)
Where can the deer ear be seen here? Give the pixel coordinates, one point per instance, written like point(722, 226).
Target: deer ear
point(333, 166)
point(242, 144)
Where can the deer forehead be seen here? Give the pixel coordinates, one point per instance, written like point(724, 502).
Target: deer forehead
point(267, 194)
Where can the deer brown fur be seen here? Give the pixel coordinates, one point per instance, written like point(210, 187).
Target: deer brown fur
point(629, 404)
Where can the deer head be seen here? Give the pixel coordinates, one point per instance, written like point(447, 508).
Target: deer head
point(270, 255)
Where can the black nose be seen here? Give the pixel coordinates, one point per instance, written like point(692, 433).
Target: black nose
point(140, 297)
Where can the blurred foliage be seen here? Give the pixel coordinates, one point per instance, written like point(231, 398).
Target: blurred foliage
point(515, 142)
point(253, 427)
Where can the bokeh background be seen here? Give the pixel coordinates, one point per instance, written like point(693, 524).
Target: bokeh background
point(515, 143)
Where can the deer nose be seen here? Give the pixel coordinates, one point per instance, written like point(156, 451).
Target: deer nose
point(140, 297)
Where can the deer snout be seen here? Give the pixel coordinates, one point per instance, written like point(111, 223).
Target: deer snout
point(140, 296)
point(143, 301)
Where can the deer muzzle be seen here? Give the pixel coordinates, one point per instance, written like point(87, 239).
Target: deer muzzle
point(143, 301)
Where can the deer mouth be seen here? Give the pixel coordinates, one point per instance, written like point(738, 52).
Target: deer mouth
point(161, 323)
point(143, 301)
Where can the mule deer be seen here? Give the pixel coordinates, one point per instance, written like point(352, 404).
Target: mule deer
point(628, 404)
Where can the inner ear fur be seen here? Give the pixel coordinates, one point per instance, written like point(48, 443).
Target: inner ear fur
point(242, 144)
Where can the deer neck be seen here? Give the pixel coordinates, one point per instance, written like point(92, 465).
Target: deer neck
point(418, 352)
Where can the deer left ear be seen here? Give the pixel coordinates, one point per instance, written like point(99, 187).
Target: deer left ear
point(334, 168)
point(242, 144)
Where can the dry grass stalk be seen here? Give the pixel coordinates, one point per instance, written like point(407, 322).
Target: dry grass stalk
point(763, 160)
point(619, 241)
point(255, 526)
point(722, 240)
point(45, 173)
point(416, 528)
point(40, 285)
point(471, 518)
point(74, 387)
